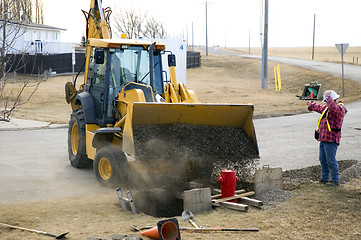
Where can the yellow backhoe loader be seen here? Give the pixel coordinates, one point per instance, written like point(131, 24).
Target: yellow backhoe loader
point(126, 106)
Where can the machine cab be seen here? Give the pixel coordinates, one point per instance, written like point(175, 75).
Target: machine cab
point(112, 70)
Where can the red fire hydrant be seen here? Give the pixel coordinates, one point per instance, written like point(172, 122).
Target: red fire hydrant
point(228, 180)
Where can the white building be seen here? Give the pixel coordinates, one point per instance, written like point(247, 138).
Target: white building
point(31, 38)
point(179, 48)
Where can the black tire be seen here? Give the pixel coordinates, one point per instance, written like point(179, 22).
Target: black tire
point(76, 141)
point(111, 166)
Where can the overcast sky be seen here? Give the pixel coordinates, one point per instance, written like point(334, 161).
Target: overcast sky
point(229, 21)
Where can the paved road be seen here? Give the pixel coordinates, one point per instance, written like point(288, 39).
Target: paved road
point(34, 166)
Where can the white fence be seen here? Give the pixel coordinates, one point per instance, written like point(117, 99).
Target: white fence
point(47, 47)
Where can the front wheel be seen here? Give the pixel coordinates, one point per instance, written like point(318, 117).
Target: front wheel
point(76, 140)
point(110, 166)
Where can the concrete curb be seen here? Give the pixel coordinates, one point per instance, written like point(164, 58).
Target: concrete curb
point(22, 124)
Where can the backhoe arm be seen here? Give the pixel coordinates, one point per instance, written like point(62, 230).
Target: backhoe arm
point(97, 27)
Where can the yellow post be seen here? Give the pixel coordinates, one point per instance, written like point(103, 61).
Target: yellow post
point(274, 69)
point(279, 78)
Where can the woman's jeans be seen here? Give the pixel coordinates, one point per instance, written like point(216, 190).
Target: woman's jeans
point(328, 161)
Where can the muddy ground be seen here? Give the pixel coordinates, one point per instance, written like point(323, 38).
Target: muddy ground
point(304, 210)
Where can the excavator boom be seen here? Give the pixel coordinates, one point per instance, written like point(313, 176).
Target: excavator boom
point(97, 27)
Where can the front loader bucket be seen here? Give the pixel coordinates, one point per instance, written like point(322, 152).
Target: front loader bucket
point(237, 116)
point(191, 141)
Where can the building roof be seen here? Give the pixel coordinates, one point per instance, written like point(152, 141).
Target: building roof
point(119, 42)
point(34, 25)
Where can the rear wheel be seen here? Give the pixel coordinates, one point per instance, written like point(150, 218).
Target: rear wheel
point(110, 166)
point(76, 140)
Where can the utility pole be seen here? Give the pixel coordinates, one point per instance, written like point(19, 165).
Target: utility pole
point(187, 35)
point(341, 47)
point(192, 38)
point(265, 47)
point(206, 31)
point(314, 31)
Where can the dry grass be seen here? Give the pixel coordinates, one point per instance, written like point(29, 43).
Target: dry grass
point(48, 103)
point(314, 212)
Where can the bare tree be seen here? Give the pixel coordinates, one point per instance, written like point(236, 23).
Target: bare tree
point(12, 97)
point(39, 15)
point(137, 25)
point(129, 22)
point(22, 10)
point(154, 29)
point(11, 29)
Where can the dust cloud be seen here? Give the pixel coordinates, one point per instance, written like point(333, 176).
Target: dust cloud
point(171, 158)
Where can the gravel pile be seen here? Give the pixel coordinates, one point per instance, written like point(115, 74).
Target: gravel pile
point(292, 179)
point(274, 197)
point(350, 173)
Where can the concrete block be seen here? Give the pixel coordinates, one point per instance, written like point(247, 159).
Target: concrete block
point(197, 200)
point(267, 179)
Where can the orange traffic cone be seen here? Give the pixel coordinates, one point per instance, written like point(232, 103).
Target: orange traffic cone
point(168, 230)
point(153, 233)
point(165, 230)
point(311, 95)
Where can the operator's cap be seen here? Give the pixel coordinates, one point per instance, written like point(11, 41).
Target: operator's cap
point(333, 95)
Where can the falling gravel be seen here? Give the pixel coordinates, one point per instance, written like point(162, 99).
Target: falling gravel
point(195, 150)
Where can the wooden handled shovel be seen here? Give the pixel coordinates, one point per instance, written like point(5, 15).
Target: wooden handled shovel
point(61, 236)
